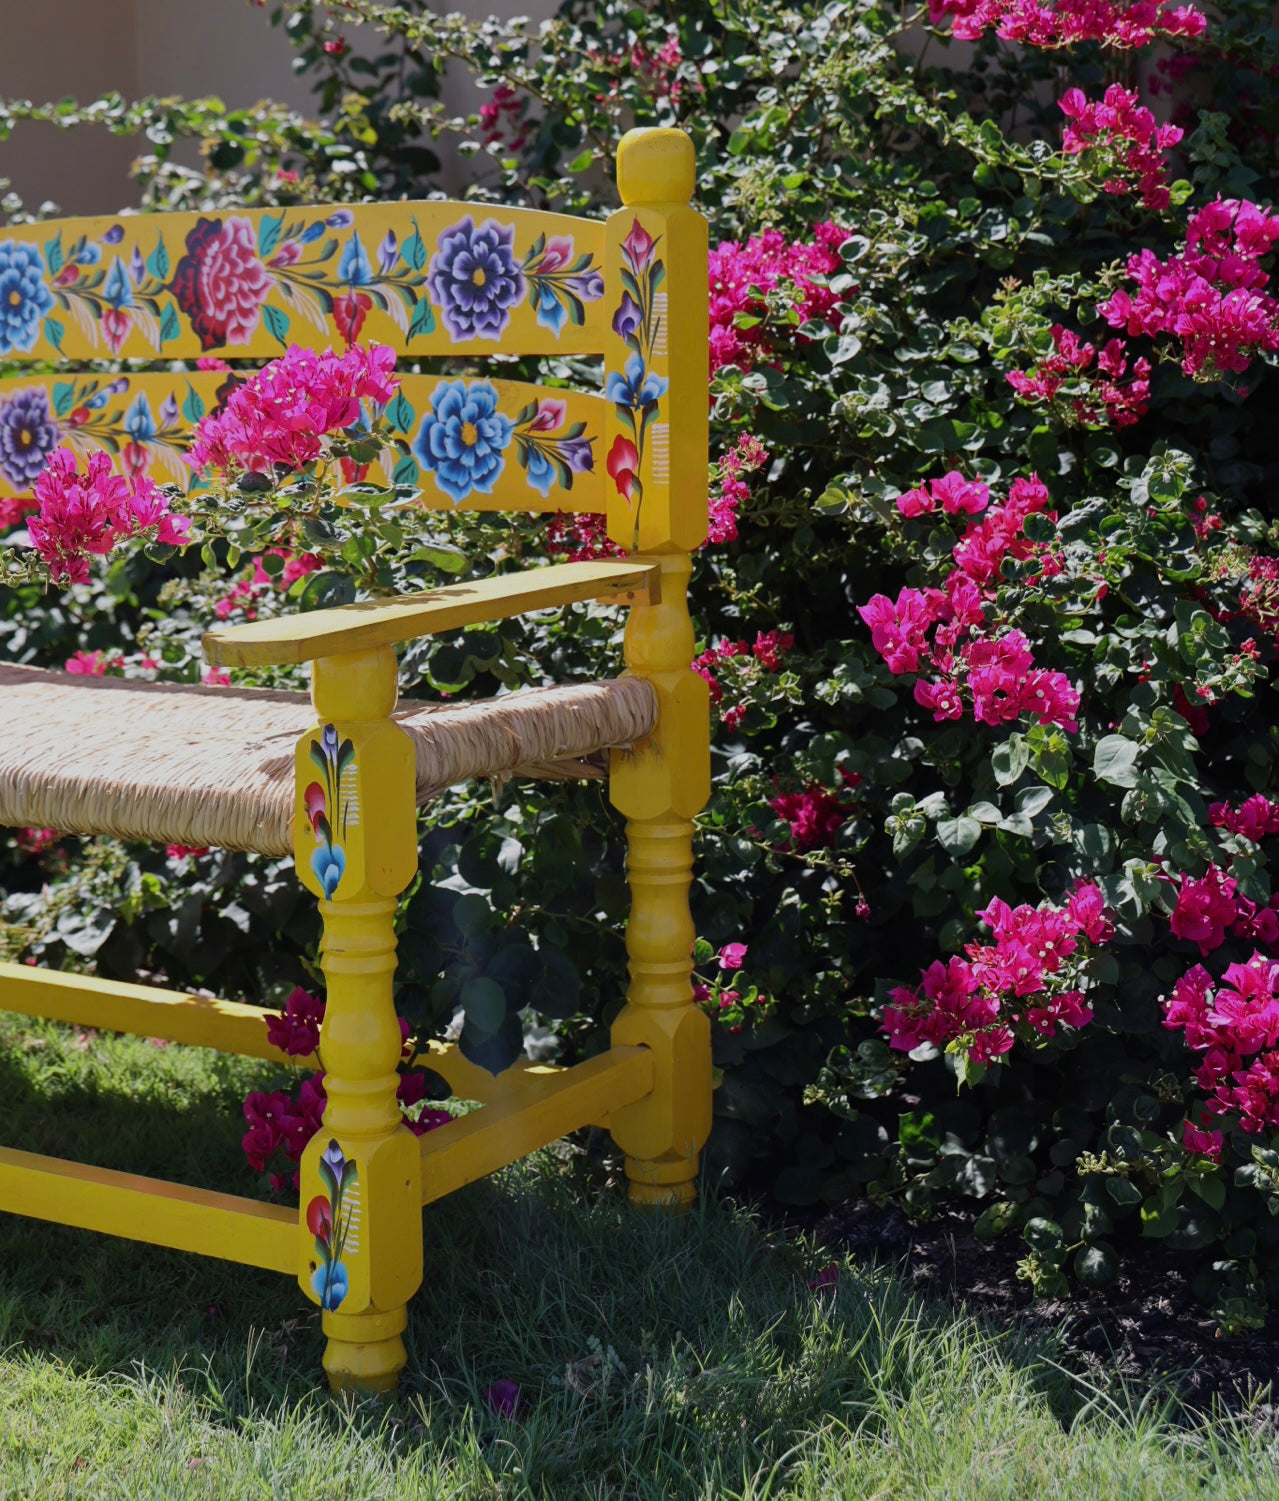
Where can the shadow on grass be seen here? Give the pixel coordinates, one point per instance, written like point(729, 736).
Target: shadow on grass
point(642, 1345)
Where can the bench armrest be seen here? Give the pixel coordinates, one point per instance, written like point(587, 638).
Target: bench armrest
point(383, 622)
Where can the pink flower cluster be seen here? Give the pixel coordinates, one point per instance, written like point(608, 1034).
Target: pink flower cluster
point(14, 510)
point(815, 813)
point(1122, 124)
point(997, 672)
point(1209, 297)
point(1058, 23)
point(1234, 1023)
point(502, 119)
point(1209, 906)
point(281, 1123)
point(738, 273)
point(1255, 818)
point(258, 581)
point(978, 1001)
point(768, 650)
point(282, 414)
point(729, 489)
point(952, 492)
point(85, 515)
point(1093, 400)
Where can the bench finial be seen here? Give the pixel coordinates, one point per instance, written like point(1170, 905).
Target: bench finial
point(655, 166)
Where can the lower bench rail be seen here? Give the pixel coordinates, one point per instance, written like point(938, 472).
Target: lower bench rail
point(149, 1209)
point(532, 1111)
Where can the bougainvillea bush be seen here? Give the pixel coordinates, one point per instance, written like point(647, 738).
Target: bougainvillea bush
point(988, 607)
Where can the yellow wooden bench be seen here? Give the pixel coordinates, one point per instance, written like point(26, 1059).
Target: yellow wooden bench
point(230, 767)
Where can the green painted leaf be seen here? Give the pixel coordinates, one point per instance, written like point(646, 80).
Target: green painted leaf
point(158, 260)
point(53, 254)
point(53, 331)
point(400, 413)
point(405, 471)
point(422, 321)
point(193, 407)
point(269, 230)
point(414, 250)
point(277, 320)
point(63, 397)
point(170, 324)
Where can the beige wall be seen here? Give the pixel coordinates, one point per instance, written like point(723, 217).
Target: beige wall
point(85, 48)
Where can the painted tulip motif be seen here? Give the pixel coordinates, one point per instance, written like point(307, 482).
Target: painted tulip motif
point(636, 390)
point(329, 809)
point(330, 1219)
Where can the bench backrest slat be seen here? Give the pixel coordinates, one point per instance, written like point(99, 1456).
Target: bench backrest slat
point(546, 442)
point(427, 278)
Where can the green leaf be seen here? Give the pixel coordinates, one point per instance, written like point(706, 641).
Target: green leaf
point(53, 331)
point(1097, 1265)
point(1010, 759)
point(325, 589)
point(958, 835)
point(63, 397)
point(1123, 1192)
point(53, 254)
point(471, 914)
point(1115, 761)
point(170, 324)
point(447, 559)
point(484, 1002)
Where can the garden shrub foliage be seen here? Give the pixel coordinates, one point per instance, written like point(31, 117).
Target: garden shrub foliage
point(989, 605)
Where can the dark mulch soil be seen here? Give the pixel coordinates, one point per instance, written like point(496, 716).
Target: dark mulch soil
point(1149, 1322)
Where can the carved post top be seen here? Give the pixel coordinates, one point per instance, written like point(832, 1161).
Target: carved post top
point(656, 167)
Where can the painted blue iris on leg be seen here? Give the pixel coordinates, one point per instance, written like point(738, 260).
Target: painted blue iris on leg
point(24, 298)
point(462, 438)
point(638, 387)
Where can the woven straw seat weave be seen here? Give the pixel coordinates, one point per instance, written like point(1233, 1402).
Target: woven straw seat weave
point(170, 764)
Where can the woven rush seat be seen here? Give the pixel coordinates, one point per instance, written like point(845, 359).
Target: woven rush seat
point(168, 763)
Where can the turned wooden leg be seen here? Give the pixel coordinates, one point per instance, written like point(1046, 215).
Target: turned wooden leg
point(361, 1200)
point(659, 787)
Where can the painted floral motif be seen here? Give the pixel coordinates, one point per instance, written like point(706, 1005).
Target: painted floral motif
point(220, 284)
point(24, 297)
point(637, 390)
point(28, 435)
point(333, 1221)
point(559, 283)
point(475, 279)
point(548, 455)
point(330, 809)
point(463, 438)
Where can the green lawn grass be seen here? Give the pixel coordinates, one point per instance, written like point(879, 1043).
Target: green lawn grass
point(656, 1356)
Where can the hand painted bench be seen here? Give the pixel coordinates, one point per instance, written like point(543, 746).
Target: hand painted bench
point(234, 768)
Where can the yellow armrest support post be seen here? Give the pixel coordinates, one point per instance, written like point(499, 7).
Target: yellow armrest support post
point(383, 622)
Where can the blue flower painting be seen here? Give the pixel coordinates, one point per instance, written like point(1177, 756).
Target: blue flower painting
point(475, 280)
point(24, 298)
point(463, 438)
